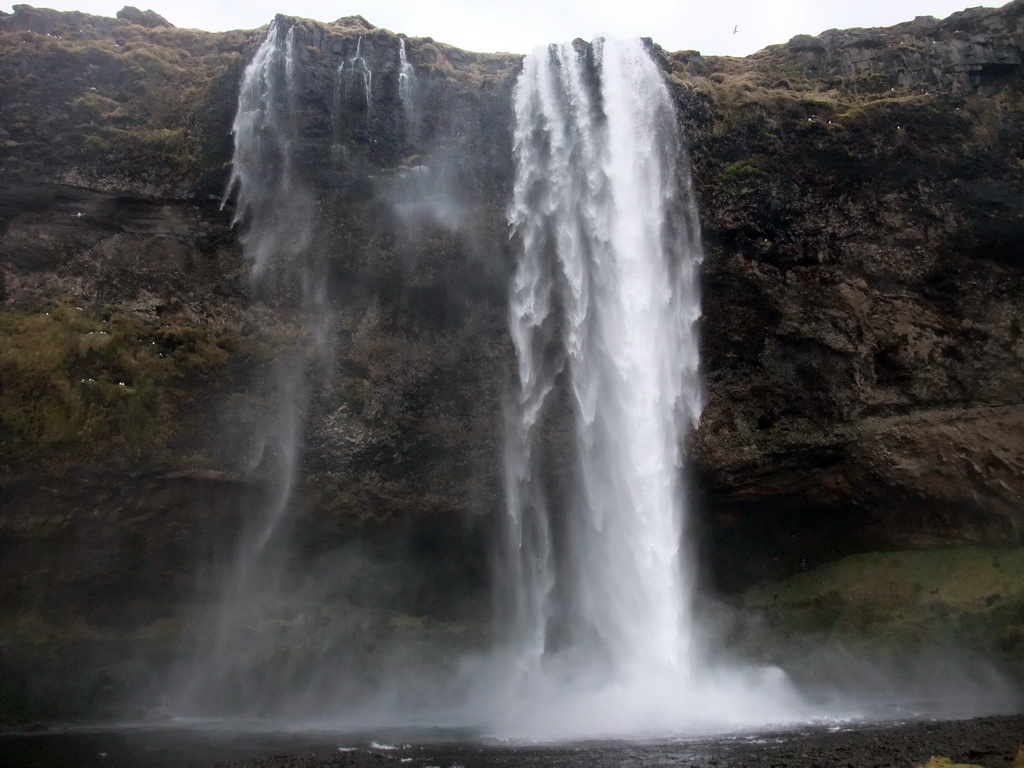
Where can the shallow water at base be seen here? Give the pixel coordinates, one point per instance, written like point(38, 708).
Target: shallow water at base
point(180, 743)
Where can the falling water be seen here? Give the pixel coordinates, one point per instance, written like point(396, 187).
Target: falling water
point(595, 582)
point(275, 216)
point(406, 80)
point(356, 66)
point(272, 208)
point(595, 577)
point(597, 189)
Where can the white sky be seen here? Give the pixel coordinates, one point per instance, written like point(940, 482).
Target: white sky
point(520, 25)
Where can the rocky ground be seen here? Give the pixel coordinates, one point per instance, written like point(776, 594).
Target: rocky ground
point(994, 742)
point(991, 741)
point(988, 741)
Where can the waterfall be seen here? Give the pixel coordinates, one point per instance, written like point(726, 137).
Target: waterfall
point(356, 66)
point(272, 209)
point(406, 80)
point(597, 577)
point(594, 577)
point(275, 215)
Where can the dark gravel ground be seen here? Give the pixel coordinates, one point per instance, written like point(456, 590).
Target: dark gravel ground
point(987, 741)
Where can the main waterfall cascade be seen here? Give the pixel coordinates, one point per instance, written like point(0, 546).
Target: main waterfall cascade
point(595, 182)
point(597, 189)
point(595, 577)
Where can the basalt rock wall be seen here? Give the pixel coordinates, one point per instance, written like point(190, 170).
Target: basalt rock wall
point(861, 193)
point(140, 360)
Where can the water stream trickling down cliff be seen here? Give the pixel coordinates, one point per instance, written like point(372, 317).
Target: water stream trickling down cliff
point(275, 215)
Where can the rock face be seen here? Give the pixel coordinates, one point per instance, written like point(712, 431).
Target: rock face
point(149, 19)
point(862, 195)
point(972, 52)
point(862, 202)
point(144, 359)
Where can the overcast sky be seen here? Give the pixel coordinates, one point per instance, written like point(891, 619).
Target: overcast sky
point(722, 27)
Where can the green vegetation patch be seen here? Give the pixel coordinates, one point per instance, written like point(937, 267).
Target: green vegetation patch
point(969, 579)
point(743, 169)
point(122, 99)
point(895, 606)
point(81, 386)
point(945, 762)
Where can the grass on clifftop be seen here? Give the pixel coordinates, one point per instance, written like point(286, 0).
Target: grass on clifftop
point(106, 97)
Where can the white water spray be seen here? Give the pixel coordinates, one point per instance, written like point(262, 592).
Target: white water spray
point(406, 81)
point(273, 210)
point(595, 576)
point(275, 216)
point(356, 67)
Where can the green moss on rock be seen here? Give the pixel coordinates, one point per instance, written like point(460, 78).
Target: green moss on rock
point(78, 385)
point(145, 104)
point(894, 605)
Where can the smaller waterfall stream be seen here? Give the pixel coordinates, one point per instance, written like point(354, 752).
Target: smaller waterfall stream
point(406, 80)
point(356, 67)
point(275, 214)
point(272, 208)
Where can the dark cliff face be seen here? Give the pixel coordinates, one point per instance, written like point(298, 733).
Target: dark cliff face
point(143, 357)
point(104, 223)
point(862, 195)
